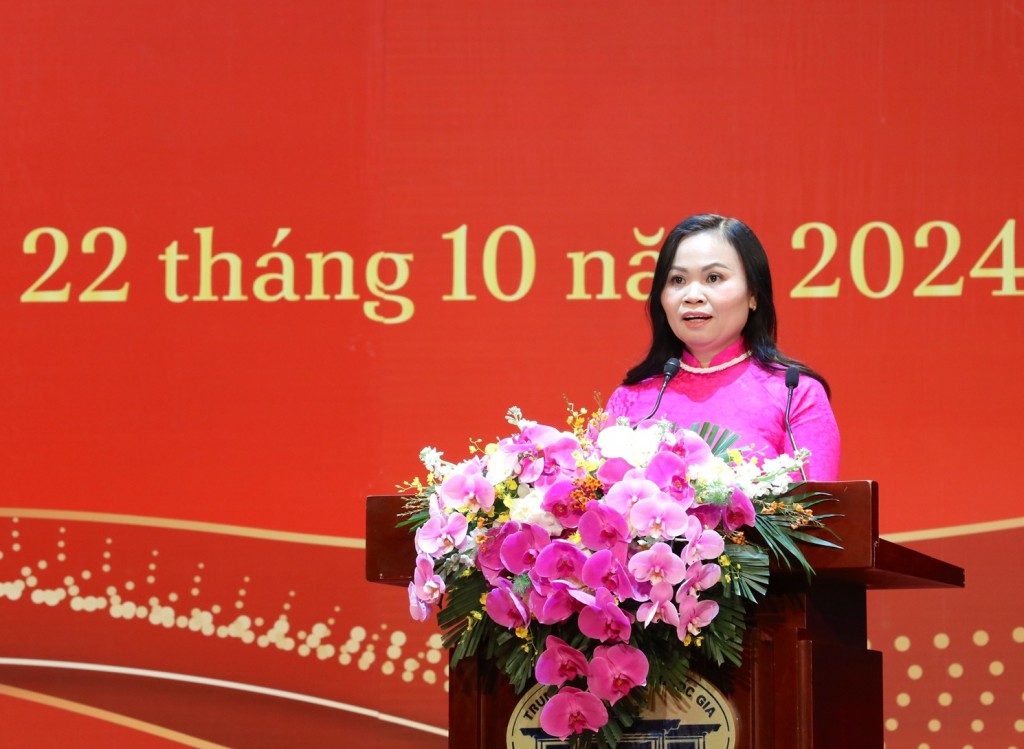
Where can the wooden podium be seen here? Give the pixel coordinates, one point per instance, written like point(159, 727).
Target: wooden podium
point(808, 680)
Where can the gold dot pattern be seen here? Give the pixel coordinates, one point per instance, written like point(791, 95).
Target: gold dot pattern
point(117, 592)
point(944, 688)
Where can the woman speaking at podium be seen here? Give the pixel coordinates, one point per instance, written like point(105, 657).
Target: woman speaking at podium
point(713, 354)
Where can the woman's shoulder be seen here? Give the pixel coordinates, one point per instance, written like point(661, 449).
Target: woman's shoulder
point(624, 397)
point(773, 378)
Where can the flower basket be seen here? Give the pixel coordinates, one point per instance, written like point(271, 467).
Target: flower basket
point(603, 561)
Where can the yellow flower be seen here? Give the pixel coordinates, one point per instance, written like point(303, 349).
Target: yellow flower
point(724, 560)
point(523, 633)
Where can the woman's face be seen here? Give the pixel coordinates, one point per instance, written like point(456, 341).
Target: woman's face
point(706, 298)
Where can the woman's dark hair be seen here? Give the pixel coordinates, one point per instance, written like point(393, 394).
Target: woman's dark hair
point(761, 329)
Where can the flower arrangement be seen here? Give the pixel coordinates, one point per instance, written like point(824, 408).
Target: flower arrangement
point(599, 560)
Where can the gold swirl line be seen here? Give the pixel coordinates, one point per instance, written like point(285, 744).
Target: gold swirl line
point(184, 525)
point(109, 717)
point(224, 684)
point(953, 531)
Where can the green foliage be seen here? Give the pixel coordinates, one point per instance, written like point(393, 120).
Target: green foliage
point(718, 439)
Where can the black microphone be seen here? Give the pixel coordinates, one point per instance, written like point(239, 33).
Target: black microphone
point(670, 369)
point(792, 380)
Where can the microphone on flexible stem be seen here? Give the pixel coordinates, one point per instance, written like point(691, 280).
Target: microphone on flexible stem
point(792, 379)
point(669, 370)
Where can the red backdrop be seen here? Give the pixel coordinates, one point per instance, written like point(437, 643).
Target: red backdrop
point(459, 160)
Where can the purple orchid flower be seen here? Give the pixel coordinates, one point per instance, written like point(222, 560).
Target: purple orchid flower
point(505, 607)
point(429, 587)
point(560, 663)
point(441, 533)
point(560, 560)
point(558, 500)
point(469, 490)
point(659, 608)
point(604, 620)
point(615, 670)
point(629, 491)
point(604, 569)
point(701, 543)
point(602, 527)
point(739, 513)
point(694, 615)
point(572, 711)
point(519, 550)
point(658, 517)
point(488, 555)
point(668, 471)
point(418, 609)
point(552, 603)
point(700, 576)
point(657, 564)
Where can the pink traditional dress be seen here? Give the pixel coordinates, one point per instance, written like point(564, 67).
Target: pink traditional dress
point(734, 392)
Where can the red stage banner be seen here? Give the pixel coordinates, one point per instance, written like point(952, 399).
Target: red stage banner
point(257, 255)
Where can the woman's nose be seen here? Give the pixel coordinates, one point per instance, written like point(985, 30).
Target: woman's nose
point(693, 293)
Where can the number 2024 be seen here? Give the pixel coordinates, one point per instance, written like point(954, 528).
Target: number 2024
point(1006, 270)
point(93, 293)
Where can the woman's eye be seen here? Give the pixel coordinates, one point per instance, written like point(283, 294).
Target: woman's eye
point(714, 277)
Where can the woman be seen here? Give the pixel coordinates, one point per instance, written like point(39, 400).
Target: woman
point(711, 305)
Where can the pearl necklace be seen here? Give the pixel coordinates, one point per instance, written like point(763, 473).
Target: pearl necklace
point(716, 368)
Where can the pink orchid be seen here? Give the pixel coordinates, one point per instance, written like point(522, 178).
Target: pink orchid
point(700, 576)
point(658, 517)
point(694, 615)
point(604, 570)
point(659, 608)
point(613, 470)
point(632, 489)
point(558, 500)
point(709, 514)
point(531, 446)
point(441, 533)
point(604, 620)
point(559, 460)
point(740, 512)
point(552, 603)
point(602, 527)
point(520, 549)
point(668, 471)
point(615, 670)
point(692, 448)
point(470, 490)
point(418, 609)
point(657, 564)
point(488, 555)
point(560, 560)
point(701, 543)
point(572, 711)
point(505, 607)
point(429, 587)
point(560, 663)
